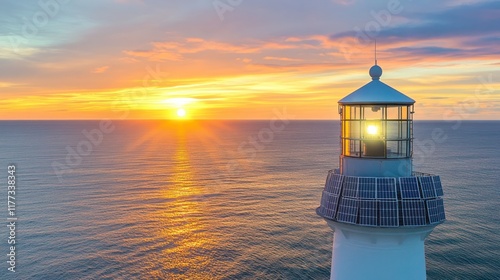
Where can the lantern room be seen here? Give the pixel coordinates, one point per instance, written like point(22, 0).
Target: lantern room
point(376, 130)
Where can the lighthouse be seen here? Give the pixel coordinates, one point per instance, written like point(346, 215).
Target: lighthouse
point(380, 209)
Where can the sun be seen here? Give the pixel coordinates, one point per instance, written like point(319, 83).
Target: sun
point(181, 113)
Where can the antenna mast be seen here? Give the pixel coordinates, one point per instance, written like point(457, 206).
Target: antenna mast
point(375, 51)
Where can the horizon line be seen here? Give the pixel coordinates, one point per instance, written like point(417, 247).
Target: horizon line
point(189, 120)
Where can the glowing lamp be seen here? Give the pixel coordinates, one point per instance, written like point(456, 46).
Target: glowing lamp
point(372, 130)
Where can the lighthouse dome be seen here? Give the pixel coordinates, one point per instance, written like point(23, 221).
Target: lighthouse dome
point(376, 92)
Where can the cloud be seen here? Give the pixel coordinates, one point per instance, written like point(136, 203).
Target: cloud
point(466, 31)
point(177, 50)
point(100, 70)
point(281, 58)
point(465, 20)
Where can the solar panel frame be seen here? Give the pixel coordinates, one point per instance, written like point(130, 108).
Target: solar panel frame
point(388, 213)
point(386, 188)
point(408, 187)
point(367, 188)
point(427, 187)
point(368, 212)
point(348, 210)
point(438, 186)
point(435, 210)
point(413, 212)
point(350, 187)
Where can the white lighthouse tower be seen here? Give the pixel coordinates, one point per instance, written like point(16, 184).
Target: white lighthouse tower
point(380, 209)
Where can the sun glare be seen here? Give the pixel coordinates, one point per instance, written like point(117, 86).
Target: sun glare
point(181, 113)
point(372, 129)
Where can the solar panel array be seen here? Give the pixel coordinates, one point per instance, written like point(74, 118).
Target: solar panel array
point(371, 201)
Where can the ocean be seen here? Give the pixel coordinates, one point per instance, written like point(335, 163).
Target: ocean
point(220, 199)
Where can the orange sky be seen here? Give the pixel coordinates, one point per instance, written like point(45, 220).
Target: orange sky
point(148, 59)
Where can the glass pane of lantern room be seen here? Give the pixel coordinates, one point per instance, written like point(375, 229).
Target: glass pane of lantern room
point(393, 112)
point(404, 113)
point(394, 149)
point(373, 112)
point(354, 130)
point(355, 112)
point(395, 130)
point(346, 112)
point(405, 131)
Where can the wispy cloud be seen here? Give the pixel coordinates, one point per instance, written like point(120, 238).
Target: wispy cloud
point(100, 70)
point(459, 32)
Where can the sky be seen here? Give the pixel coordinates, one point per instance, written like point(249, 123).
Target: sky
point(244, 59)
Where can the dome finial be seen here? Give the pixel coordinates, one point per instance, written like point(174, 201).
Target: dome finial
point(375, 72)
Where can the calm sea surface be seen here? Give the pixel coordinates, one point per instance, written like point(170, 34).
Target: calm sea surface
point(221, 199)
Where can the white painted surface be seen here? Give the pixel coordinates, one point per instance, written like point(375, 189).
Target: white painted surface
point(366, 253)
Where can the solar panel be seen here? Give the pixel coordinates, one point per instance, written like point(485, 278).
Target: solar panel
point(337, 183)
point(324, 198)
point(332, 201)
point(350, 187)
point(327, 213)
point(367, 187)
point(324, 208)
point(348, 210)
point(437, 185)
point(368, 212)
point(427, 187)
point(435, 209)
point(413, 212)
point(388, 213)
point(386, 188)
point(328, 182)
point(409, 188)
